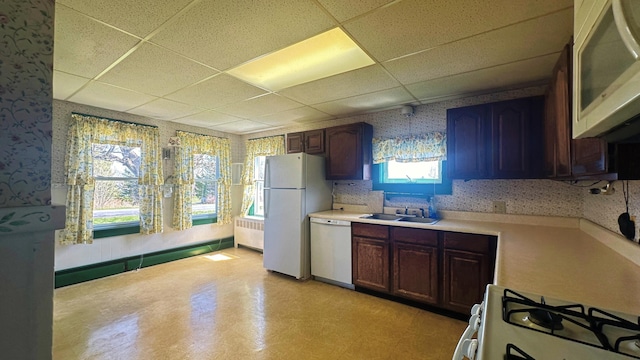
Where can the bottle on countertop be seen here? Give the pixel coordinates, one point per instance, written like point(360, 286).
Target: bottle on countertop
point(432, 208)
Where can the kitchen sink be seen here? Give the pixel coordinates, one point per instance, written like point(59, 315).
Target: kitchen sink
point(419, 220)
point(381, 217)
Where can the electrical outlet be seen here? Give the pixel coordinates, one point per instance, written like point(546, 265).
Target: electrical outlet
point(499, 207)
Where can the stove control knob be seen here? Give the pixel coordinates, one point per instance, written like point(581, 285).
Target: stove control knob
point(474, 321)
point(477, 309)
point(469, 348)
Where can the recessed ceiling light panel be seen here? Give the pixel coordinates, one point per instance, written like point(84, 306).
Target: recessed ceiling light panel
point(321, 56)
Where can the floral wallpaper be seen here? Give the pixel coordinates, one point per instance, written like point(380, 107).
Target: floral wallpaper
point(26, 67)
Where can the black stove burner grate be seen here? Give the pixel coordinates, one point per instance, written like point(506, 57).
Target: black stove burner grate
point(595, 321)
point(521, 355)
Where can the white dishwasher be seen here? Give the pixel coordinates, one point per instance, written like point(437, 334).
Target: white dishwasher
point(331, 251)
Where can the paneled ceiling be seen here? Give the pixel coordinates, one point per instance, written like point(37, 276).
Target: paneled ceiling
point(169, 59)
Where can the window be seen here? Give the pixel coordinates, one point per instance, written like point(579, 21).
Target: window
point(205, 188)
point(424, 172)
point(115, 198)
point(258, 178)
point(424, 178)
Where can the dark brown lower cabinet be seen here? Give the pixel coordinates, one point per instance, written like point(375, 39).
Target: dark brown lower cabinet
point(468, 263)
point(415, 272)
point(371, 263)
point(445, 269)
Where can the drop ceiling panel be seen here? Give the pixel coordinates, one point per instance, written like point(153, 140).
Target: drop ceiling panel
point(352, 83)
point(521, 72)
point(86, 47)
point(109, 97)
point(241, 127)
point(217, 91)
point(207, 119)
point(156, 71)
point(344, 10)
point(226, 33)
point(260, 106)
point(415, 25)
point(543, 35)
point(365, 103)
point(138, 17)
point(66, 84)
point(302, 114)
point(164, 109)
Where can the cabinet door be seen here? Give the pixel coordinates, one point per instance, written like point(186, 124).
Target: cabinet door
point(549, 134)
point(466, 275)
point(370, 263)
point(415, 272)
point(466, 142)
point(295, 142)
point(562, 113)
point(589, 157)
point(314, 141)
point(349, 152)
point(511, 129)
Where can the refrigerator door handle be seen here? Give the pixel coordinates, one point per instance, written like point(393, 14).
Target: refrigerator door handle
point(267, 175)
point(267, 197)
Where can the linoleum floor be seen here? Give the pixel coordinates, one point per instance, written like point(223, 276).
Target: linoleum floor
point(209, 307)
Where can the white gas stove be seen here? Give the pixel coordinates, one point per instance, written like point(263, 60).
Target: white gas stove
point(517, 325)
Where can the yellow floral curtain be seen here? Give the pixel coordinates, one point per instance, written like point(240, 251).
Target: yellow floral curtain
point(268, 146)
point(191, 144)
point(425, 147)
point(86, 130)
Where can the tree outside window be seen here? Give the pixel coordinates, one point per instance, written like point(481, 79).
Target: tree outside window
point(115, 198)
point(205, 188)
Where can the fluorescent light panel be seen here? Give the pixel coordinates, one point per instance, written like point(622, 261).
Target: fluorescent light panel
point(321, 56)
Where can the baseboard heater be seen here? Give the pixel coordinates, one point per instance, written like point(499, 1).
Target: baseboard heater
point(112, 267)
point(249, 232)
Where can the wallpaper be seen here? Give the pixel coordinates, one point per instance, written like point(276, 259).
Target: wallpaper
point(26, 65)
point(525, 197)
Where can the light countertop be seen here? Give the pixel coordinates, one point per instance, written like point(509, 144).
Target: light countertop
point(565, 258)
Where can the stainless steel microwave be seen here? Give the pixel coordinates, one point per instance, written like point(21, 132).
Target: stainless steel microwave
point(606, 74)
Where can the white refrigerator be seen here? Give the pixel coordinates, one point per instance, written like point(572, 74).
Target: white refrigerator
point(294, 186)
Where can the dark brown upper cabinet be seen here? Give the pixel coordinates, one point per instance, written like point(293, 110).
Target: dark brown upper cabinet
point(310, 142)
point(564, 157)
point(348, 151)
point(496, 141)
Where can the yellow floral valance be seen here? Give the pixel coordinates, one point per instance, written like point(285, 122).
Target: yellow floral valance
point(268, 146)
point(191, 144)
point(426, 147)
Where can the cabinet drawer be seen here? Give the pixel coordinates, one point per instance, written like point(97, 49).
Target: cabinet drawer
point(415, 236)
point(370, 230)
point(468, 242)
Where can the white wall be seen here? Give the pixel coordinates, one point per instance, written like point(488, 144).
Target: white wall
point(111, 248)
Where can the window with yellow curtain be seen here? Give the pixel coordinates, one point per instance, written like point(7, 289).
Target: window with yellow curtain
point(111, 153)
point(202, 172)
point(257, 149)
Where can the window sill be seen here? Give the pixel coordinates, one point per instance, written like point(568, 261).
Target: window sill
point(204, 220)
point(104, 231)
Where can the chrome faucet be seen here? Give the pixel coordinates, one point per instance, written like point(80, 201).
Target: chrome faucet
point(406, 210)
point(422, 212)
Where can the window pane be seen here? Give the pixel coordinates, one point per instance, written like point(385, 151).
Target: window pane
point(115, 201)
point(258, 201)
point(258, 169)
point(205, 174)
point(204, 198)
point(428, 171)
point(205, 167)
point(115, 161)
